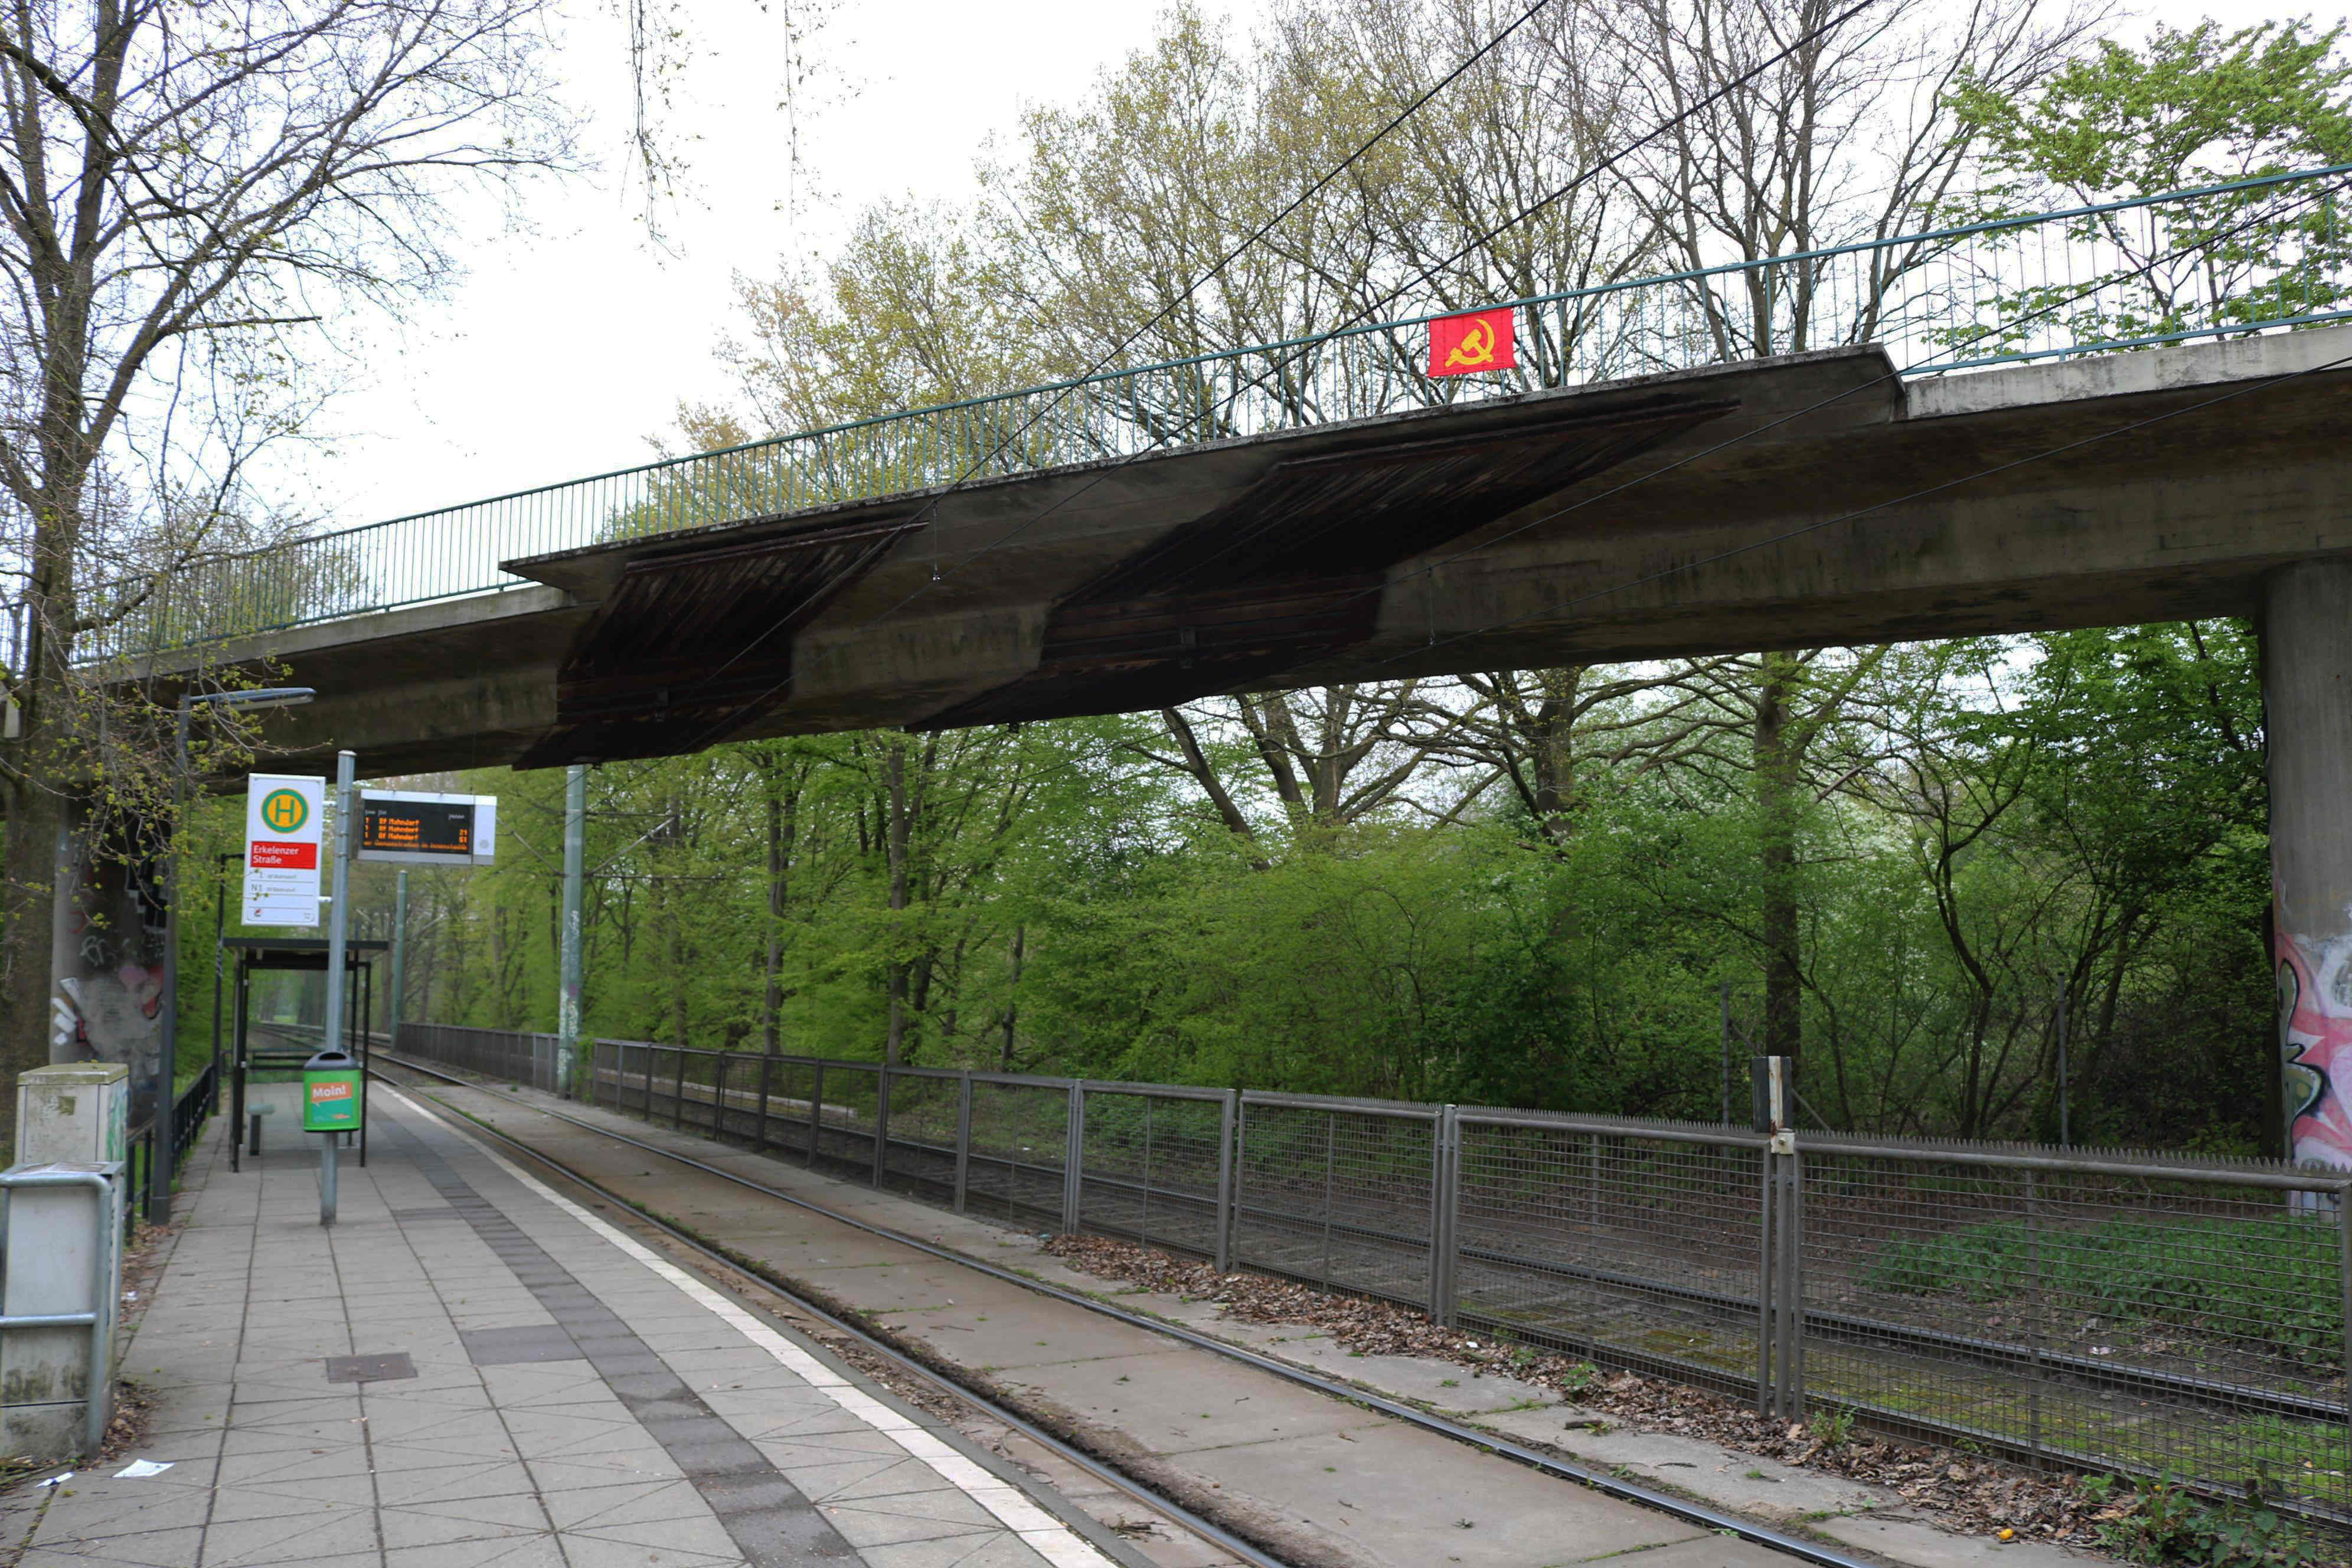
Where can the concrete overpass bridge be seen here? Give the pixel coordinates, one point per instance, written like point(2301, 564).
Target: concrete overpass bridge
point(1674, 473)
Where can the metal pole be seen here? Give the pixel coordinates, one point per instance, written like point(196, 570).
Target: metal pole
point(1793, 1285)
point(1074, 1142)
point(760, 1124)
point(220, 967)
point(327, 1177)
point(2343, 1281)
point(963, 1140)
point(338, 930)
point(399, 957)
point(1228, 1114)
point(2036, 1304)
point(567, 996)
point(1766, 1160)
point(881, 1123)
point(816, 1113)
point(1444, 1203)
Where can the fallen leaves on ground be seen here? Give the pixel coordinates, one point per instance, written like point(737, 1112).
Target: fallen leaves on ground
point(1979, 1495)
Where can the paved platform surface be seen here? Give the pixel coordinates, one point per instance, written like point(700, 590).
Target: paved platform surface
point(1321, 1481)
point(540, 1389)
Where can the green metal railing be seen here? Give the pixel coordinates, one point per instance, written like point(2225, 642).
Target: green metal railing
point(2259, 254)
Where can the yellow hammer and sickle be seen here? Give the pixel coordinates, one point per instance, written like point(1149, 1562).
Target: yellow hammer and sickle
point(1477, 348)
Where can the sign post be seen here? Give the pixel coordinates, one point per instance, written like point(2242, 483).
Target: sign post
point(330, 1105)
point(347, 796)
point(283, 816)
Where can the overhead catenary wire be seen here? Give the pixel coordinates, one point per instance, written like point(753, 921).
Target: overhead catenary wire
point(1028, 423)
point(1587, 175)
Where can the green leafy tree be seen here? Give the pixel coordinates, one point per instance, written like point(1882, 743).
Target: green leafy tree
point(2190, 108)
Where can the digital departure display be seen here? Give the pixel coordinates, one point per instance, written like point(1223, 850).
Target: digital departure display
point(422, 828)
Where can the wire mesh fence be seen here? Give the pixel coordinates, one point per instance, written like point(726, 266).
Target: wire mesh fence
point(2107, 1311)
point(518, 1057)
point(2268, 254)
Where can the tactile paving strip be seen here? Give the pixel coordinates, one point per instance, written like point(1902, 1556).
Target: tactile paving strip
point(768, 1518)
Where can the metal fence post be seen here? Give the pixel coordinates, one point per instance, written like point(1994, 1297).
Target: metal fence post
point(963, 1140)
point(678, 1091)
point(1074, 1146)
point(760, 1124)
point(881, 1122)
point(1792, 1221)
point(2344, 1284)
point(2037, 1304)
point(649, 1083)
point(1444, 1208)
point(718, 1098)
point(1228, 1159)
point(1764, 1283)
point(816, 1113)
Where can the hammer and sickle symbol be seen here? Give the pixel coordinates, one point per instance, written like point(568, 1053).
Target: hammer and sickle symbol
point(1477, 348)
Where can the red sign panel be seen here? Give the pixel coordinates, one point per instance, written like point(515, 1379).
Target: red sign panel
point(1482, 340)
point(279, 857)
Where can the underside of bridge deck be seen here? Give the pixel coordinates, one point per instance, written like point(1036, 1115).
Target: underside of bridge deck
point(1809, 501)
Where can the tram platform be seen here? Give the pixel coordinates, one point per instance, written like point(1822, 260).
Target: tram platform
point(471, 1368)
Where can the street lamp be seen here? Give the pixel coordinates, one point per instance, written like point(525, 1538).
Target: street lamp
point(167, 1062)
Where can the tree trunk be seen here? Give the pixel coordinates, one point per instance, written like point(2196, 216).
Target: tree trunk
point(1776, 806)
point(895, 772)
point(37, 818)
point(1013, 997)
point(784, 824)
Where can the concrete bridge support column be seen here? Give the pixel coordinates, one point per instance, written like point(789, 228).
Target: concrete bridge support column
point(2307, 703)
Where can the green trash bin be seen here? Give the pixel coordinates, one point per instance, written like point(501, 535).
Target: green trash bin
point(330, 1094)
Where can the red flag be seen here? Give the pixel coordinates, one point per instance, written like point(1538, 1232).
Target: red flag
point(1482, 340)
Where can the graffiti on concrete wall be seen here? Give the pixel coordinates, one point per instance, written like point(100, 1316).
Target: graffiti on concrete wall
point(2314, 978)
point(109, 1001)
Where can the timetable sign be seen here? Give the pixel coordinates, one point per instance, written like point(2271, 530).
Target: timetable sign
point(420, 829)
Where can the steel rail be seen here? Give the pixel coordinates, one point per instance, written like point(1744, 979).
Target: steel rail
point(1205, 1529)
point(2204, 1393)
point(1599, 1480)
point(1849, 1328)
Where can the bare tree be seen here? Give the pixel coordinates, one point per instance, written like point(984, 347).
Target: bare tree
point(1852, 136)
point(198, 187)
point(1547, 731)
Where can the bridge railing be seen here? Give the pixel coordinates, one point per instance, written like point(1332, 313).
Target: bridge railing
point(2104, 1310)
point(2264, 254)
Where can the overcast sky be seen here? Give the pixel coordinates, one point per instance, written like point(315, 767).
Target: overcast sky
point(573, 340)
point(572, 343)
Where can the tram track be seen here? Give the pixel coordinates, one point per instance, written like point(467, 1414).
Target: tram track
point(1804, 1547)
point(2212, 1395)
point(906, 1366)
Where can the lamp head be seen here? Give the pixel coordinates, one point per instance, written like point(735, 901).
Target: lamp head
point(259, 696)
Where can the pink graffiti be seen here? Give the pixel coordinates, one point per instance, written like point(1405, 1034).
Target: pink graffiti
point(145, 985)
point(2315, 981)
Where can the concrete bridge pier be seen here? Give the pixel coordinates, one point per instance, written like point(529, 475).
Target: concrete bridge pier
point(2307, 703)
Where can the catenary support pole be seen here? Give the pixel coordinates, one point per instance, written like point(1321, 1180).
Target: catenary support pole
point(399, 958)
point(2307, 725)
point(567, 1002)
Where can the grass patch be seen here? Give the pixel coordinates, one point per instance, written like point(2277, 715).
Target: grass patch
point(2270, 1283)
